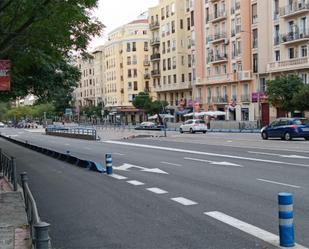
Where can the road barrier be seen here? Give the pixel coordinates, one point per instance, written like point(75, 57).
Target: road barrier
point(66, 157)
point(8, 168)
point(38, 229)
point(286, 225)
point(109, 163)
point(73, 132)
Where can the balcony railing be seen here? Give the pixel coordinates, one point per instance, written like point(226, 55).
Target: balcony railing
point(154, 25)
point(295, 8)
point(155, 41)
point(146, 63)
point(294, 36)
point(155, 57)
point(173, 86)
point(217, 58)
point(245, 98)
point(220, 99)
point(155, 73)
point(287, 65)
point(218, 15)
point(147, 76)
point(216, 37)
point(244, 75)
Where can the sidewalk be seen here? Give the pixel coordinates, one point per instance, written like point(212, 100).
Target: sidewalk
point(14, 230)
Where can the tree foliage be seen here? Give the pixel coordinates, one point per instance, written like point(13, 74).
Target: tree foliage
point(145, 102)
point(280, 92)
point(301, 99)
point(38, 36)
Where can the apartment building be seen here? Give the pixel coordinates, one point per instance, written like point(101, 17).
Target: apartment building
point(224, 58)
point(171, 26)
point(89, 91)
point(126, 70)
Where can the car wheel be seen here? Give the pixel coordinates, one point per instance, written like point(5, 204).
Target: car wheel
point(180, 130)
point(264, 135)
point(287, 136)
point(306, 138)
point(204, 132)
point(191, 130)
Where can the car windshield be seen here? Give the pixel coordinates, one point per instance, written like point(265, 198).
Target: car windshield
point(201, 122)
point(301, 121)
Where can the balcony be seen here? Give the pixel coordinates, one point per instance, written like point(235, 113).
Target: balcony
point(292, 37)
point(219, 78)
point(155, 73)
point(154, 25)
point(288, 65)
point(217, 16)
point(146, 63)
point(217, 37)
point(220, 99)
point(155, 57)
point(245, 98)
point(147, 76)
point(244, 75)
point(218, 58)
point(155, 41)
point(173, 87)
point(294, 9)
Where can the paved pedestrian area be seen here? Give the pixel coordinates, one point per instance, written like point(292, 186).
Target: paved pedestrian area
point(14, 230)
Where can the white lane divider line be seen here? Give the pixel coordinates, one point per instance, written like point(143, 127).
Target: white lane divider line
point(278, 183)
point(274, 154)
point(212, 162)
point(119, 154)
point(135, 183)
point(157, 191)
point(184, 201)
point(118, 177)
point(174, 164)
point(249, 229)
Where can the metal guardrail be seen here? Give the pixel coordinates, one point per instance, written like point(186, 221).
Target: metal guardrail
point(38, 228)
point(8, 168)
point(73, 131)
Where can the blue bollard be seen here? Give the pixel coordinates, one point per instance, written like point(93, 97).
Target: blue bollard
point(286, 225)
point(109, 164)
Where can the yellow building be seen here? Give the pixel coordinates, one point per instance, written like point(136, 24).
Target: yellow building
point(171, 25)
point(127, 70)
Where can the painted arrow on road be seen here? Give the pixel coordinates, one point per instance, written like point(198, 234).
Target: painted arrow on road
point(127, 166)
point(213, 162)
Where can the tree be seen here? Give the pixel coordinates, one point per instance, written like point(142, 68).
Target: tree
point(42, 34)
point(145, 102)
point(280, 91)
point(301, 99)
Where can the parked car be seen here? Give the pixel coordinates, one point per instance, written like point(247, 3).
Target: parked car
point(193, 125)
point(148, 126)
point(2, 125)
point(287, 129)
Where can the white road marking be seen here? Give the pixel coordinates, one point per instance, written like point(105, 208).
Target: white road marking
point(87, 148)
point(174, 164)
point(127, 166)
point(184, 201)
point(274, 154)
point(119, 154)
point(118, 177)
point(212, 162)
point(135, 183)
point(249, 229)
point(279, 183)
point(157, 191)
point(203, 153)
point(67, 144)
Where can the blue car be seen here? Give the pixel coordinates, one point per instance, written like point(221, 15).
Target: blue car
point(287, 129)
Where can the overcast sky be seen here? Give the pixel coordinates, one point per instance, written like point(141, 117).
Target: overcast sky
point(114, 13)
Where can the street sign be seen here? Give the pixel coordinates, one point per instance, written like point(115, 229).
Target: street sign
point(5, 79)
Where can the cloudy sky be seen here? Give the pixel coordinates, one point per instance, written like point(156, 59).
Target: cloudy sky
point(114, 13)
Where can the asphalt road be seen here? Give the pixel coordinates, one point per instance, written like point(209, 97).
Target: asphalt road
point(183, 191)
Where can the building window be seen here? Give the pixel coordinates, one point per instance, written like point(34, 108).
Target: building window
point(175, 78)
point(304, 78)
point(134, 46)
point(128, 47)
point(145, 46)
point(255, 63)
point(181, 24)
point(182, 78)
point(303, 51)
point(188, 23)
point(255, 38)
point(262, 86)
point(277, 55)
point(129, 85)
point(254, 14)
point(291, 52)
